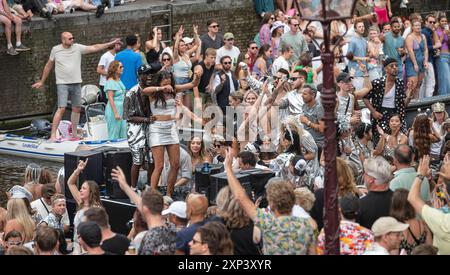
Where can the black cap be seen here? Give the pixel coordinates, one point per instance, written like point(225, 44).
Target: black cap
point(344, 77)
point(349, 204)
point(90, 233)
point(388, 61)
point(152, 68)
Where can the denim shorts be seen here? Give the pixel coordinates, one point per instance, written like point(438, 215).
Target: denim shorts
point(64, 90)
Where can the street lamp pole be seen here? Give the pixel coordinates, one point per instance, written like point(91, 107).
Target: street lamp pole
point(326, 11)
point(328, 97)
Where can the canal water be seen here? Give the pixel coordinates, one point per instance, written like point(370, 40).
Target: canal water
point(12, 171)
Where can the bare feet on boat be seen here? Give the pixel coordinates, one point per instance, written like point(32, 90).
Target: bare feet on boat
point(52, 139)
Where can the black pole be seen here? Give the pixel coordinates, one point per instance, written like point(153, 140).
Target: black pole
point(328, 96)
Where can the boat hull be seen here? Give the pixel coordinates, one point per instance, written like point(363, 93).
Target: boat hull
point(36, 148)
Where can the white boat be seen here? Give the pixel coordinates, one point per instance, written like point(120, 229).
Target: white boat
point(94, 131)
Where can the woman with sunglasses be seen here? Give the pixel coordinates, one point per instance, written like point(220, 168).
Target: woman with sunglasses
point(166, 61)
point(277, 31)
point(154, 46)
point(115, 91)
point(264, 31)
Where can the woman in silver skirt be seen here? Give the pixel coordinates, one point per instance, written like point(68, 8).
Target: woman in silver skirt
point(163, 132)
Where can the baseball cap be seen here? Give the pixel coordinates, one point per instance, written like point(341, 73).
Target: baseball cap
point(151, 68)
point(177, 208)
point(388, 61)
point(228, 35)
point(187, 40)
point(385, 225)
point(20, 192)
point(349, 204)
point(344, 77)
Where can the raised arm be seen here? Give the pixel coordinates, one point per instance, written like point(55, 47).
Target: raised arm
point(72, 181)
point(197, 41)
point(237, 189)
point(151, 44)
point(118, 175)
point(100, 47)
point(414, 193)
point(178, 36)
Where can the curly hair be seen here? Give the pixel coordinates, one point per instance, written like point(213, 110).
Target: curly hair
point(112, 69)
point(421, 135)
point(280, 195)
point(217, 237)
point(230, 210)
point(305, 198)
point(346, 180)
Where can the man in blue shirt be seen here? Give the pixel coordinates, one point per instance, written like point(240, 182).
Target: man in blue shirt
point(131, 62)
point(394, 45)
point(358, 48)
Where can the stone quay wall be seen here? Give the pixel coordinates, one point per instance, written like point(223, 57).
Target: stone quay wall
point(18, 73)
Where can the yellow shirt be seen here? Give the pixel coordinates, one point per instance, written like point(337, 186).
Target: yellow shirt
point(439, 224)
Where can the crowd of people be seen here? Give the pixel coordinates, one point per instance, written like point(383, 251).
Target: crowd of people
point(257, 109)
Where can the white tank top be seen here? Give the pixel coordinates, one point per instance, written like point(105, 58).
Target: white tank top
point(389, 99)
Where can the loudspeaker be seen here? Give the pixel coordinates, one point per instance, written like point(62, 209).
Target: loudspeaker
point(203, 180)
point(253, 180)
point(91, 172)
point(113, 157)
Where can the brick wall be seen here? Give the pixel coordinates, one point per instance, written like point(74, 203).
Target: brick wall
point(18, 73)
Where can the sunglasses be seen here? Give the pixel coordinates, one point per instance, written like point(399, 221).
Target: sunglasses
point(215, 26)
point(432, 22)
point(230, 39)
point(226, 63)
point(295, 25)
point(218, 145)
point(254, 48)
point(71, 38)
point(14, 242)
point(273, 18)
point(166, 59)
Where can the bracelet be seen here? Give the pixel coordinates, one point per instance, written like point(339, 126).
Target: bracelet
point(157, 89)
point(421, 177)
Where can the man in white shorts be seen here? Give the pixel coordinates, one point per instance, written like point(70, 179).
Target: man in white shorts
point(67, 60)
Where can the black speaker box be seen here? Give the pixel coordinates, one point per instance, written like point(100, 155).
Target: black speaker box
point(203, 180)
point(91, 172)
point(253, 181)
point(113, 157)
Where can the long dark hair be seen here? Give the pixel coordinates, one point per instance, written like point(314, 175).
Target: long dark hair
point(156, 82)
point(262, 51)
point(295, 146)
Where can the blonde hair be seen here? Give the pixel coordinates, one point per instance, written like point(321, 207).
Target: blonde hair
point(230, 209)
point(346, 180)
point(305, 198)
point(17, 209)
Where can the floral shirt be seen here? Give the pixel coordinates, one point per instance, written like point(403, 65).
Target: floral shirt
point(354, 239)
point(285, 235)
point(159, 240)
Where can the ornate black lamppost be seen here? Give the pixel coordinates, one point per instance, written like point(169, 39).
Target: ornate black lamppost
point(327, 11)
